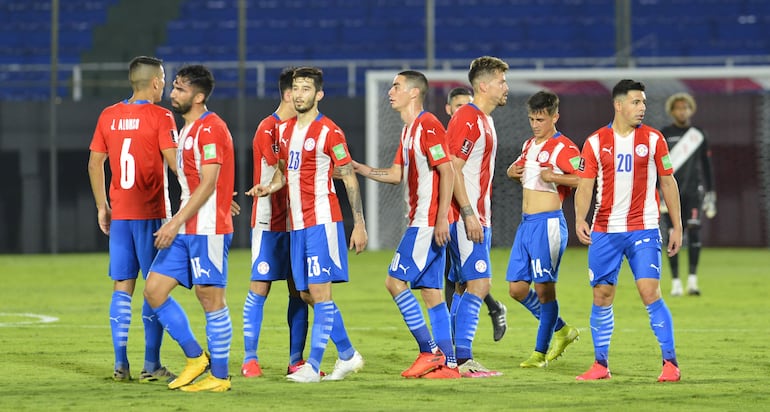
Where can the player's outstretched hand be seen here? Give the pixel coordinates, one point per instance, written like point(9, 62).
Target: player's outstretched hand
point(259, 191)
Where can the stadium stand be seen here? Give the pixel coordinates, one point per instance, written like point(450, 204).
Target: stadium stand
point(296, 30)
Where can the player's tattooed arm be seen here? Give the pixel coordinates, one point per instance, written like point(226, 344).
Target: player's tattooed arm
point(348, 177)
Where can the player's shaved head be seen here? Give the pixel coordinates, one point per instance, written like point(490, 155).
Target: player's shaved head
point(142, 70)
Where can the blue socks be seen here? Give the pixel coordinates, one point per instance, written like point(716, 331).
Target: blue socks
point(439, 321)
point(549, 313)
point(466, 323)
point(323, 322)
point(339, 336)
point(253, 313)
point(662, 325)
point(602, 325)
point(120, 320)
point(153, 337)
point(412, 313)
point(296, 316)
point(175, 322)
point(219, 332)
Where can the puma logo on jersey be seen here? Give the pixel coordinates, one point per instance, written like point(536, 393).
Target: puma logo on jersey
point(469, 124)
point(283, 141)
point(431, 131)
point(402, 267)
point(207, 129)
point(607, 149)
point(328, 271)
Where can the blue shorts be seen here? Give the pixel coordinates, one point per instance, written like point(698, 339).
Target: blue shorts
point(319, 255)
point(131, 247)
point(419, 260)
point(469, 260)
point(269, 255)
point(640, 247)
point(538, 247)
point(195, 260)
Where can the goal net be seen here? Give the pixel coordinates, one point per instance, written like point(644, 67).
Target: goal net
point(733, 109)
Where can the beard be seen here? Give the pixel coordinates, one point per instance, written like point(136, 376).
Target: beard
point(304, 109)
point(180, 108)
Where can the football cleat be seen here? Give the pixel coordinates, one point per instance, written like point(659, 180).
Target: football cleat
point(121, 375)
point(561, 339)
point(161, 374)
point(343, 368)
point(425, 362)
point(536, 360)
point(499, 321)
point(305, 374)
point(692, 285)
point(473, 369)
point(194, 368)
point(295, 367)
point(251, 369)
point(209, 384)
point(597, 371)
point(442, 372)
point(670, 373)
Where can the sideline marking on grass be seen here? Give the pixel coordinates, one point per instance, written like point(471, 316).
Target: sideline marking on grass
point(35, 319)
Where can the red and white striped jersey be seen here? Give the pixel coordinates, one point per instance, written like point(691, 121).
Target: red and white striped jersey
point(422, 148)
point(557, 153)
point(311, 154)
point(270, 212)
point(133, 135)
point(626, 169)
point(471, 136)
point(207, 141)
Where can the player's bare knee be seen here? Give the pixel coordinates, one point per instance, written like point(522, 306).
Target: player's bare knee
point(518, 290)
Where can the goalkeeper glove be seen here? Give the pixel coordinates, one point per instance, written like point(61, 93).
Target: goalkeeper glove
point(710, 204)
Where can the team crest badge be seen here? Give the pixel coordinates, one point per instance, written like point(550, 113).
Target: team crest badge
point(263, 267)
point(481, 266)
point(543, 156)
point(641, 150)
point(188, 143)
point(309, 144)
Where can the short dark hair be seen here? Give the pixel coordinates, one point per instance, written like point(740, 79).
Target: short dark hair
point(285, 79)
point(314, 73)
point(199, 77)
point(144, 60)
point(416, 79)
point(485, 65)
point(543, 101)
point(626, 85)
point(139, 79)
point(458, 91)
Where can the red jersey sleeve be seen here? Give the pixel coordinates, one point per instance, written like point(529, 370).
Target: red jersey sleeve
point(662, 159)
point(589, 166)
point(463, 131)
point(211, 143)
point(167, 133)
point(337, 146)
point(569, 157)
point(434, 141)
point(265, 140)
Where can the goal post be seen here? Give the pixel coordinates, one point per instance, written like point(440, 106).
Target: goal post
point(733, 109)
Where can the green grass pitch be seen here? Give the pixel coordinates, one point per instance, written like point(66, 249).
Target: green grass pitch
point(721, 337)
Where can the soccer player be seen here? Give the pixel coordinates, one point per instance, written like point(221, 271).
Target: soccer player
point(472, 141)
point(270, 243)
point(422, 163)
point(312, 148)
point(139, 138)
point(195, 243)
point(624, 160)
point(691, 158)
point(456, 98)
point(547, 170)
